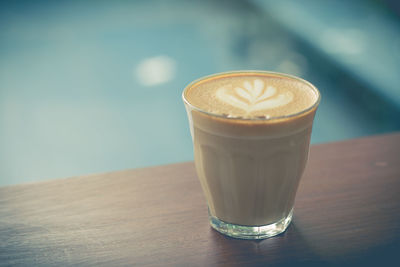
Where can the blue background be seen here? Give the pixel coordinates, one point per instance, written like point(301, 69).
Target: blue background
point(95, 86)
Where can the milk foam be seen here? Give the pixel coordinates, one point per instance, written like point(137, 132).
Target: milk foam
point(251, 95)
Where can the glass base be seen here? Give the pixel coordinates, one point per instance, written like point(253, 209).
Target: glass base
point(250, 232)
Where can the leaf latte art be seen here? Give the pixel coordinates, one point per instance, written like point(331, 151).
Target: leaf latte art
point(254, 97)
point(249, 95)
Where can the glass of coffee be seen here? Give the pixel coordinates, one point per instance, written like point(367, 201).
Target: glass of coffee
point(251, 134)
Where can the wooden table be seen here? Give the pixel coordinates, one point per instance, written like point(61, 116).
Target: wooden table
point(347, 212)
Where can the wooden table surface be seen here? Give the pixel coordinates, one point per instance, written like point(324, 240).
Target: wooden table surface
point(347, 212)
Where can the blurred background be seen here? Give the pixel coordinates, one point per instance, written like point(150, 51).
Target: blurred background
point(95, 86)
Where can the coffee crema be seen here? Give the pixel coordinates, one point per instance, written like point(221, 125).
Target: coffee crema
point(251, 95)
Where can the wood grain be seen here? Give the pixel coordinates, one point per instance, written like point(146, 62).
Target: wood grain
point(347, 212)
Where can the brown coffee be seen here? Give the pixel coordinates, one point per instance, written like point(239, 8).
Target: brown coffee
point(251, 134)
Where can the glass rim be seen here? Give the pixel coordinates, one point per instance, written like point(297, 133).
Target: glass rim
point(314, 105)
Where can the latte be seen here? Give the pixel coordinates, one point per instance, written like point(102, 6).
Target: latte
point(251, 134)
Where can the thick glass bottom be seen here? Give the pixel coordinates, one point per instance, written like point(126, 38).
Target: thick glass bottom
point(250, 232)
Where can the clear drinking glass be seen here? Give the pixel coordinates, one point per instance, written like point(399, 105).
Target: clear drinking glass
point(250, 169)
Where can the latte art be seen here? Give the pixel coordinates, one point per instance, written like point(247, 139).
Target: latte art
point(251, 95)
point(254, 97)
